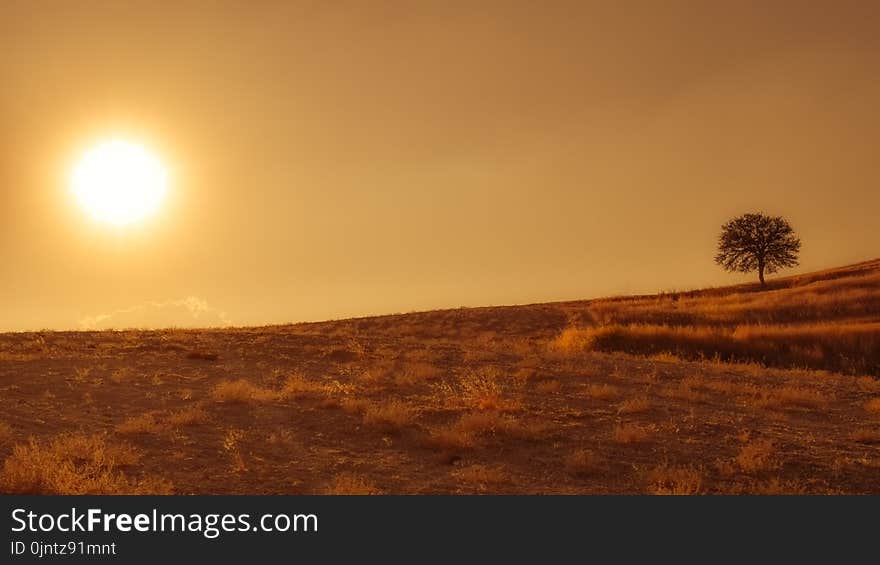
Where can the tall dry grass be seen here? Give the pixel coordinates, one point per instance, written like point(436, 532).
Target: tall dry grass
point(848, 348)
point(827, 320)
point(75, 464)
point(844, 298)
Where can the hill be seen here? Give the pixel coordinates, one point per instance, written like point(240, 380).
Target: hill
point(739, 389)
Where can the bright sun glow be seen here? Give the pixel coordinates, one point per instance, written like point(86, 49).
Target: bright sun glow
point(119, 182)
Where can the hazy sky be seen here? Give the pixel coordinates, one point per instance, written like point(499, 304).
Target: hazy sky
point(330, 159)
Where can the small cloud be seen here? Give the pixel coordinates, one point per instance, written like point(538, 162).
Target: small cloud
point(191, 311)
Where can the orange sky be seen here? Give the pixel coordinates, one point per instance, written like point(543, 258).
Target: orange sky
point(330, 159)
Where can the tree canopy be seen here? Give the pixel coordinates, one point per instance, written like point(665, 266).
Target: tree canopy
point(757, 242)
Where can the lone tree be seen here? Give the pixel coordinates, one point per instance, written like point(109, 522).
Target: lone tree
point(755, 242)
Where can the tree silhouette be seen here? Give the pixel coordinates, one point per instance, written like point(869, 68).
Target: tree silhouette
point(755, 242)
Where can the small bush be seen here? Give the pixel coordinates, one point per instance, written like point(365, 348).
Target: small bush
point(241, 391)
point(548, 387)
point(788, 396)
point(5, 433)
point(350, 484)
point(187, 416)
point(482, 389)
point(634, 405)
point(142, 424)
point(873, 405)
point(453, 438)
point(390, 416)
point(756, 456)
point(667, 479)
point(572, 340)
point(75, 464)
point(602, 392)
point(482, 477)
point(297, 385)
point(417, 373)
point(629, 433)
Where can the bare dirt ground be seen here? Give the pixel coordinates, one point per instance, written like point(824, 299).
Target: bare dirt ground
point(484, 400)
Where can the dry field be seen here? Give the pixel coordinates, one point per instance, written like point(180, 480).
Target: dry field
point(729, 390)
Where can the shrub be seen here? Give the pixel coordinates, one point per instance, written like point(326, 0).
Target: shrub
point(297, 385)
point(482, 477)
point(187, 416)
point(756, 456)
point(390, 416)
point(349, 484)
point(629, 433)
point(667, 479)
point(602, 392)
point(5, 433)
point(142, 424)
point(241, 391)
point(873, 405)
point(634, 405)
point(572, 340)
point(75, 464)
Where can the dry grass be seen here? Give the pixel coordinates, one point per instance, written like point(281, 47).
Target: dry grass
point(5, 433)
point(686, 389)
point(850, 347)
point(582, 462)
point(505, 398)
point(725, 467)
point(152, 423)
point(634, 405)
point(873, 405)
point(868, 384)
point(375, 376)
point(141, 424)
point(526, 374)
point(602, 392)
point(776, 487)
point(630, 433)
point(202, 355)
point(791, 396)
point(417, 373)
point(75, 464)
point(572, 340)
point(81, 374)
point(296, 385)
point(471, 427)
point(350, 484)
point(122, 375)
point(482, 477)
point(354, 405)
point(865, 435)
point(188, 416)
point(388, 416)
point(476, 423)
point(675, 480)
point(548, 387)
point(482, 389)
point(453, 438)
point(756, 456)
point(809, 298)
point(232, 445)
point(242, 391)
point(665, 357)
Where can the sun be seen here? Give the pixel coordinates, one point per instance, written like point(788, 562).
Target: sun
point(119, 182)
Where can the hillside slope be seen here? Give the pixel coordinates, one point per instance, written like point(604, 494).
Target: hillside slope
point(527, 399)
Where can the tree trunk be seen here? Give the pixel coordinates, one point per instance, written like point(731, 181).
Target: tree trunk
point(761, 273)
